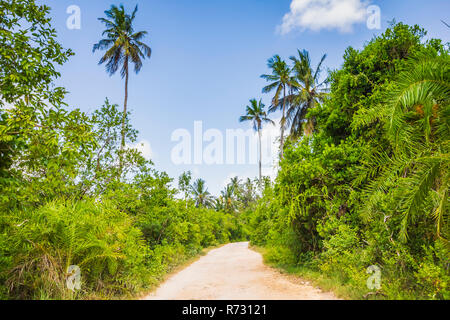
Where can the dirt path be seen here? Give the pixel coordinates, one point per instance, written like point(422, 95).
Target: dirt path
point(234, 272)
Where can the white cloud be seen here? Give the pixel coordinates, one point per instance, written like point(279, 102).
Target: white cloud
point(145, 148)
point(324, 14)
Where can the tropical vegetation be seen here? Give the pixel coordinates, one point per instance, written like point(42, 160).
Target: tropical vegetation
point(123, 47)
point(368, 186)
point(257, 115)
point(363, 172)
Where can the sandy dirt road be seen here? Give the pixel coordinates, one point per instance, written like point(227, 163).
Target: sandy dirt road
point(234, 272)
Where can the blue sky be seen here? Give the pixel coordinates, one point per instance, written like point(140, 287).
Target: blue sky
point(208, 56)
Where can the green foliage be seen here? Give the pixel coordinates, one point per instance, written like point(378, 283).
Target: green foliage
point(72, 192)
point(122, 43)
point(370, 186)
point(29, 54)
point(280, 256)
point(41, 244)
point(280, 80)
point(123, 47)
point(306, 92)
point(417, 125)
point(184, 182)
point(256, 114)
point(201, 195)
point(119, 222)
point(39, 139)
point(433, 278)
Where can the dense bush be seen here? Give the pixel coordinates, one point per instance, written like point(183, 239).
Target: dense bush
point(366, 185)
point(370, 185)
point(122, 225)
point(72, 194)
point(39, 245)
point(117, 255)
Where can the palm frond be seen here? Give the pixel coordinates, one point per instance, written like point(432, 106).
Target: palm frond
point(123, 45)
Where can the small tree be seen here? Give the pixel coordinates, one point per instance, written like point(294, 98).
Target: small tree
point(184, 182)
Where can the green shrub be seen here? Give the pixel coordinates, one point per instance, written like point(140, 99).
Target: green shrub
point(369, 185)
point(280, 256)
point(39, 246)
point(433, 276)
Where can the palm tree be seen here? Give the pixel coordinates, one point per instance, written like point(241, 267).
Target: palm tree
point(227, 195)
point(123, 46)
point(280, 81)
point(307, 91)
point(201, 195)
point(256, 114)
point(219, 204)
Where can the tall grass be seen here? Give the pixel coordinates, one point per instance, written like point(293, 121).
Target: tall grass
point(38, 246)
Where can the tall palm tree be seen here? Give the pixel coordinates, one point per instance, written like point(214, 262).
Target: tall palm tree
point(123, 46)
point(307, 92)
point(201, 194)
point(256, 114)
point(280, 81)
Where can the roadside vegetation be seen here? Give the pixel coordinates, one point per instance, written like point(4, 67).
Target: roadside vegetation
point(363, 178)
point(73, 194)
point(364, 175)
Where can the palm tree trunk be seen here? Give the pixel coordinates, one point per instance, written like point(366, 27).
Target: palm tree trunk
point(283, 120)
point(309, 128)
point(260, 153)
point(125, 103)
